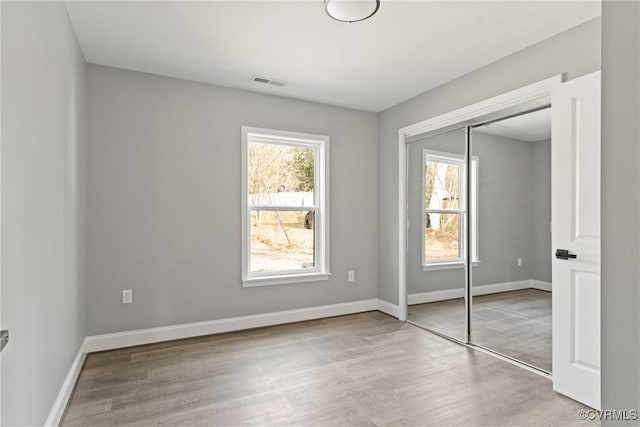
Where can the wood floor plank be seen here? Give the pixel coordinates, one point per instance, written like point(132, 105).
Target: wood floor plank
point(358, 370)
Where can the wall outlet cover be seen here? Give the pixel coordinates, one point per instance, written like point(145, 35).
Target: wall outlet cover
point(127, 296)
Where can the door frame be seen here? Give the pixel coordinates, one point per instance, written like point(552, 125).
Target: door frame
point(530, 93)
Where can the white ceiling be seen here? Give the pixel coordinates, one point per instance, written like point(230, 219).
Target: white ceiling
point(402, 51)
point(529, 127)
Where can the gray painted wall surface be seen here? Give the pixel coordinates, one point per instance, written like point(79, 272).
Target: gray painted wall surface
point(514, 208)
point(575, 52)
point(164, 200)
point(42, 206)
point(542, 252)
point(620, 207)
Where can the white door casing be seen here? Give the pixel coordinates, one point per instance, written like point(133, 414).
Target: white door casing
point(576, 227)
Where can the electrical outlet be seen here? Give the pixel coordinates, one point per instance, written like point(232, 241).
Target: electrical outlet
point(351, 276)
point(127, 296)
point(519, 262)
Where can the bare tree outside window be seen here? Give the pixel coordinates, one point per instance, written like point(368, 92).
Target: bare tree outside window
point(281, 175)
point(442, 194)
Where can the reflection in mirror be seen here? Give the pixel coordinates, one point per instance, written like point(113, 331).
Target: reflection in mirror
point(436, 181)
point(511, 285)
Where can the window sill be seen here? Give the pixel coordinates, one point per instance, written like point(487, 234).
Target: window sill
point(447, 265)
point(284, 280)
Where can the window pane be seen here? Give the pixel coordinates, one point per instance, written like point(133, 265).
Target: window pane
point(282, 240)
point(281, 175)
point(442, 237)
point(442, 185)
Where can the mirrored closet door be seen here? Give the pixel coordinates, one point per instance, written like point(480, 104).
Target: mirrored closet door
point(512, 284)
point(436, 198)
point(479, 198)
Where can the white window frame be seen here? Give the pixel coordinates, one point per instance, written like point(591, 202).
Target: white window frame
point(320, 144)
point(457, 159)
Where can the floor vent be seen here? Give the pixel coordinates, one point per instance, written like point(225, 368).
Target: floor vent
point(267, 81)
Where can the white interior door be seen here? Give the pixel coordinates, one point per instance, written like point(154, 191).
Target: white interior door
point(576, 228)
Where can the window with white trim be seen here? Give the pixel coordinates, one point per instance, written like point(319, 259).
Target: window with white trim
point(444, 197)
point(285, 222)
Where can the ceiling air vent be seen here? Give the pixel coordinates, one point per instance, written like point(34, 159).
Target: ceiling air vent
point(267, 81)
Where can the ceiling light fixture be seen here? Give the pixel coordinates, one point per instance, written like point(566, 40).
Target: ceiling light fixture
point(351, 10)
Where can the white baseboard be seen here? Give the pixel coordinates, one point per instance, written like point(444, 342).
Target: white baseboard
point(432, 296)
point(188, 330)
point(391, 309)
point(62, 399)
point(539, 284)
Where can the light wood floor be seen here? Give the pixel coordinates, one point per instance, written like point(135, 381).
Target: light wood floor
point(515, 323)
point(364, 369)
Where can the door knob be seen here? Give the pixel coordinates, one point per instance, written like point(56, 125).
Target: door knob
point(564, 254)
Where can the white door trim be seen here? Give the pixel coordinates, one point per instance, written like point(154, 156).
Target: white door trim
point(532, 92)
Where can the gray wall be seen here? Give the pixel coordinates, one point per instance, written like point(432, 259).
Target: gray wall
point(164, 200)
point(514, 211)
point(542, 252)
point(42, 206)
point(620, 206)
point(575, 52)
